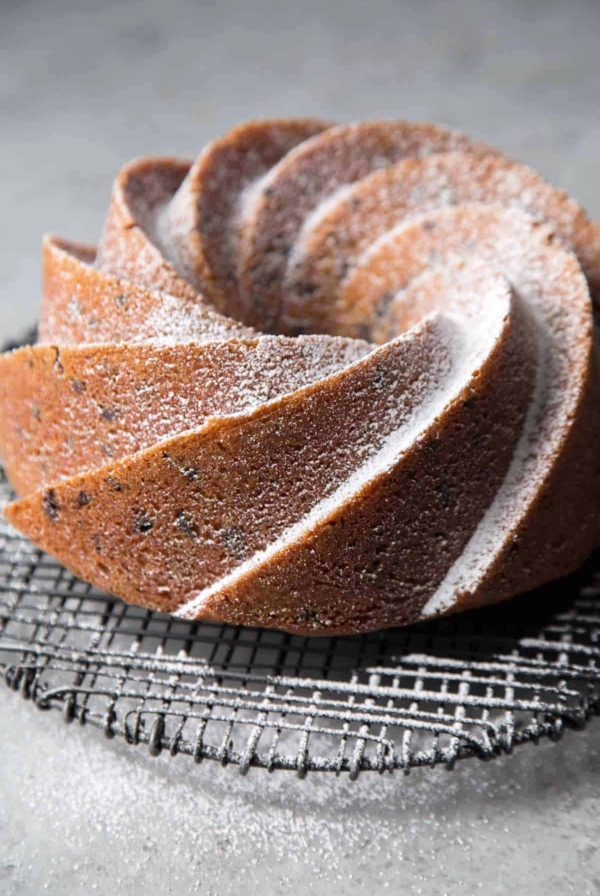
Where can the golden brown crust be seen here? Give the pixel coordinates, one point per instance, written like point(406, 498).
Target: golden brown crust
point(316, 299)
point(82, 304)
point(79, 407)
point(313, 172)
point(324, 485)
point(125, 249)
point(202, 226)
point(185, 512)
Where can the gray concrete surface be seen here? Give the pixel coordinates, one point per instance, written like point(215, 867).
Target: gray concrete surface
point(85, 86)
point(80, 815)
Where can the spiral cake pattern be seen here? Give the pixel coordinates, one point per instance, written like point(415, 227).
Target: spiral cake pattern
point(325, 379)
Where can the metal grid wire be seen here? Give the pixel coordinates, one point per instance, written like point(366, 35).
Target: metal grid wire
point(472, 685)
point(468, 686)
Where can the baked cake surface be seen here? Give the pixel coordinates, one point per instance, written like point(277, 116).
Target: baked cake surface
point(324, 379)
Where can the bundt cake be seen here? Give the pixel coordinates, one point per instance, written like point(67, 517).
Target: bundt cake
point(325, 379)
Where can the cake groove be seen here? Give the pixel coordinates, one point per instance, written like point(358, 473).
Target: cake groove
point(325, 379)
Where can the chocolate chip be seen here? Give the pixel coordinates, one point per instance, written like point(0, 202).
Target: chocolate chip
point(234, 540)
point(35, 410)
point(446, 494)
point(109, 414)
point(185, 522)
point(121, 300)
point(143, 523)
point(306, 615)
point(342, 266)
point(383, 304)
point(97, 542)
point(306, 289)
point(191, 473)
point(51, 505)
point(114, 484)
point(79, 386)
point(83, 498)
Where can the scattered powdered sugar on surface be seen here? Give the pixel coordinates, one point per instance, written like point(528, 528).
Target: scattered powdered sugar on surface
point(80, 815)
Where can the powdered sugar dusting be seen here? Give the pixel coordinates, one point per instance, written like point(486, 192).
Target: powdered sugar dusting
point(312, 220)
point(347, 223)
point(465, 356)
point(191, 829)
point(293, 228)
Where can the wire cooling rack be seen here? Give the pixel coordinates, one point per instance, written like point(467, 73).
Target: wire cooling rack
point(468, 686)
point(472, 685)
